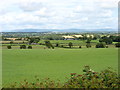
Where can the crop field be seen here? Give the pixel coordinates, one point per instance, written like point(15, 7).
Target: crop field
point(56, 64)
point(76, 44)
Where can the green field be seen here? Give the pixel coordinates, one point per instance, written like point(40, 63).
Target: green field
point(54, 63)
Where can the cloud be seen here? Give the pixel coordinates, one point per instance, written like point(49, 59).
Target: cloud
point(30, 6)
point(59, 14)
point(106, 13)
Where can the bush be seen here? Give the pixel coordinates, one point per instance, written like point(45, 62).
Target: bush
point(106, 39)
point(89, 79)
point(80, 47)
point(62, 46)
point(22, 46)
point(40, 43)
point(29, 47)
point(49, 45)
point(100, 45)
point(52, 47)
point(70, 44)
point(88, 41)
point(9, 47)
point(11, 42)
point(34, 40)
point(117, 45)
point(57, 45)
point(88, 45)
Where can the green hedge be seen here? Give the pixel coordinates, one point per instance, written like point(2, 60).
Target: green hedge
point(90, 79)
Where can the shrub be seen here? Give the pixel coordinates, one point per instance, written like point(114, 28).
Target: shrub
point(9, 47)
point(80, 47)
point(57, 45)
point(62, 46)
point(34, 40)
point(11, 42)
point(89, 79)
point(117, 45)
point(52, 47)
point(49, 45)
point(70, 44)
point(40, 43)
point(88, 41)
point(29, 47)
point(88, 45)
point(22, 46)
point(100, 45)
point(106, 39)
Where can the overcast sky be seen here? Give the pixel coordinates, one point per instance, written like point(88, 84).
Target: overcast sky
point(58, 14)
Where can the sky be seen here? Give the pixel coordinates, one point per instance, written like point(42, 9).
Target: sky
point(58, 14)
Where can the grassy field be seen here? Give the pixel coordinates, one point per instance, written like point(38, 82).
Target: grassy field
point(75, 42)
point(55, 64)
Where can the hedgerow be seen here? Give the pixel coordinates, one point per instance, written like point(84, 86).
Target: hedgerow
point(90, 79)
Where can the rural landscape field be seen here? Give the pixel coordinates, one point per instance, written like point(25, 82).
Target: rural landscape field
point(59, 44)
point(56, 64)
point(56, 56)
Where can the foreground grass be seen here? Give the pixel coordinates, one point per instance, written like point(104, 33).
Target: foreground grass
point(90, 79)
point(56, 64)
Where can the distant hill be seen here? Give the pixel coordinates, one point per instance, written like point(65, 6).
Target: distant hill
point(62, 30)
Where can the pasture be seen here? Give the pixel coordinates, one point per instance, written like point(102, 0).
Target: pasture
point(54, 63)
point(76, 44)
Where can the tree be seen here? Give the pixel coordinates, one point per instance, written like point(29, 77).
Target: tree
point(29, 47)
point(36, 40)
point(49, 45)
point(62, 46)
point(80, 47)
point(106, 46)
point(33, 40)
point(100, 45)
point(70, 44)
point(11, 42)
point(88, 41)
point(57, 44)
point(94, 38)
point(107, 40)
point(88, 45)
point(22, 46)
point(115, 38)
point(53, 37)
point(9, 47)
point(117, 45)
point(100, 40)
